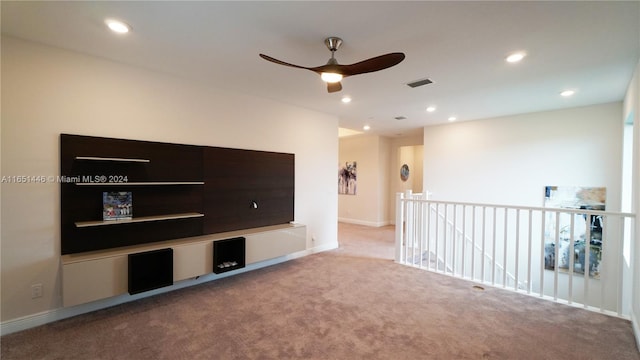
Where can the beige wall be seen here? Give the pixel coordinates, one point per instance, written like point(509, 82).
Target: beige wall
point(382, 158)
point(370, 204)
point(412, 156)
point(48, 91)
point(413, 150)
point(509, 160)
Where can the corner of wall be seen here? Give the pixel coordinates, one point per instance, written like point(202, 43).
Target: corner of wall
point(632, 105)
point(636, 328)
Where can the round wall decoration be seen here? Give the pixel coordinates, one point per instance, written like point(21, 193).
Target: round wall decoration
point(404, 172)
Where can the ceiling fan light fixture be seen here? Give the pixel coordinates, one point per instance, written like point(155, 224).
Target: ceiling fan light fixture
point(331, 77)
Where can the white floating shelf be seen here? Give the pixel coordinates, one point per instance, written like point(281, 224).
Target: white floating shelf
point(82, 224)
point(142, 183)
point(96, 158)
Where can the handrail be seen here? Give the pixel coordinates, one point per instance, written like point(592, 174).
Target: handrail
point(527, 253)
point(534, 208)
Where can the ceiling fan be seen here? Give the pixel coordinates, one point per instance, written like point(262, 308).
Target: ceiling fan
point(332, 72)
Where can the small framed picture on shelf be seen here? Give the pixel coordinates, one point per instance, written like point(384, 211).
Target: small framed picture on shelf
point(117, 205)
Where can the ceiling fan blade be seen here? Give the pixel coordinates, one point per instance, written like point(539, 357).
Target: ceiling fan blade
point(279, 62)
point(334, 87)
point(366, 66)
point(370, 65)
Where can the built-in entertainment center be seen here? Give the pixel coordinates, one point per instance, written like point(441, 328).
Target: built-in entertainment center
point(140, 215)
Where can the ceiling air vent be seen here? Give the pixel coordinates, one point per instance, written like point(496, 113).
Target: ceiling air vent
point(400, 118)
point(419, 83)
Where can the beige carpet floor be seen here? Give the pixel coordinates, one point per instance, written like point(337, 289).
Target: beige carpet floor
point(350, 303)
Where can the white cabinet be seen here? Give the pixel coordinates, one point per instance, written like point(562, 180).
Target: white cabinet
point(273, 244)
point(102, 274)
point(192, 260)
point(88, 280)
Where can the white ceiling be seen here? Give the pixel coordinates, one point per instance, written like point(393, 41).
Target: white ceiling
point(592, 47)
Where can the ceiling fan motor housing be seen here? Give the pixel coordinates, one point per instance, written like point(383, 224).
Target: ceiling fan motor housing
point(333, 43)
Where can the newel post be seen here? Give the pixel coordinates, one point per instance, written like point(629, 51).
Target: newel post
point(399, 225)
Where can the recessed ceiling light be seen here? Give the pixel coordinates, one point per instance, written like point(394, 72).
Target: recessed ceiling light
point(366, 128)
point(117, 26)
point(452, 118)
point(346, 99)
point(515, 57)
point(567, 93)
point(431, 109)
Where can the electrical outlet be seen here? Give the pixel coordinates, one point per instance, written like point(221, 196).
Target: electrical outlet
point(36, 291)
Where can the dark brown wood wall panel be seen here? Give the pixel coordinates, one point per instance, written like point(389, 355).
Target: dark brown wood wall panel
point(84, 203)
point(107, 237)
point(233, 180)
point(167, 162)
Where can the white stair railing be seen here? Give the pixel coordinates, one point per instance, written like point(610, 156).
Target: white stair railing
point(459, 233)
point(531, 250)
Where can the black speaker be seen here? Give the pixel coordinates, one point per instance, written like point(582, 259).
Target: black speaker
point(150, 270)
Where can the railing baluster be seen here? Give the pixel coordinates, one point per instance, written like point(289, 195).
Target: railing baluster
point(437, 237)
point(429, 209)
point(484, 251)
point(556, 266)
point(464, 240)
point(493, 248)
point(621, 261)
point(587, 255)
point(504, 248)
point(473, 243)
point(407, 226)
point(571, 257)
point(414, 229)
point(618, 275)
point(421, 235)
point(454, 238)
point(542, 239)
point(516, 286)
point(444, 239)
point(530, 252)
point(410, 224)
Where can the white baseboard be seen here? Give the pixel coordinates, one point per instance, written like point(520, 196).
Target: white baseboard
point(45, 317)
point(363, 222)
point(636, 328)
point(325, 247)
